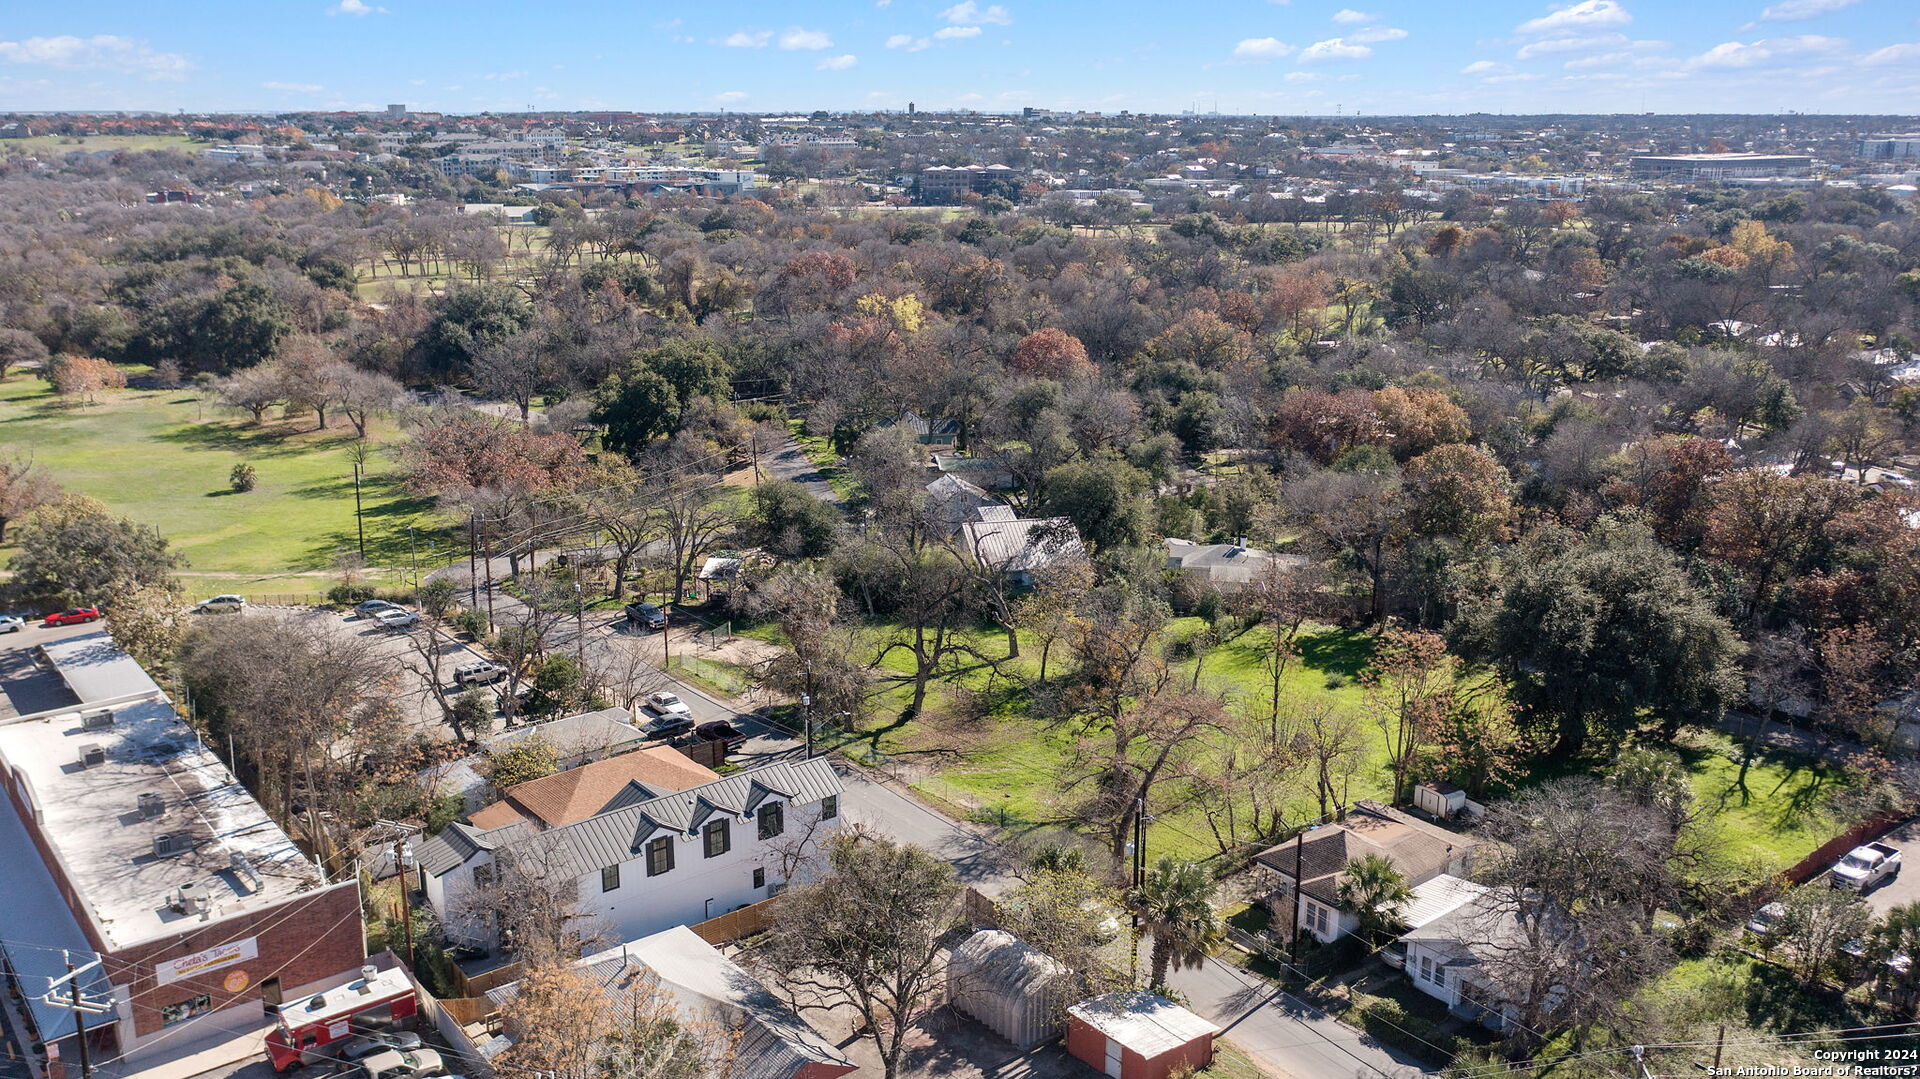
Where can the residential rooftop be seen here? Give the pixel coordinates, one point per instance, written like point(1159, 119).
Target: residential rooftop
point(578, 793)
point(105, 782)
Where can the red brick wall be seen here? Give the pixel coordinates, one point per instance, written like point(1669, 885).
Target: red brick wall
point(304, 939)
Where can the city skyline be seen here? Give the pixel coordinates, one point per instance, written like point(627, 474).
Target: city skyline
point(1302, 57)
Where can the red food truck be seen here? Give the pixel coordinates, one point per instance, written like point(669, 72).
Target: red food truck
point(309, 1024)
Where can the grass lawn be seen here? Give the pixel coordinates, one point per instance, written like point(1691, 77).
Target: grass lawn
point(162, 457)
point(1779, 819)
point(59, 145)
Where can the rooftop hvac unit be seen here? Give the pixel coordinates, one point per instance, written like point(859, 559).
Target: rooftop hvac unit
point(97, 720)
point(243, 869)
point(168, 844)
point(151, 805)
point(193, 898)
point(92, 755)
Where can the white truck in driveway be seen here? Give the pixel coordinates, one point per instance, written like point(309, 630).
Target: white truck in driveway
point(1866, 866)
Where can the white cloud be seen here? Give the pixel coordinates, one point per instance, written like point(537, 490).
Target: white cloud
point(503, 76)
point(1301, 76)
point(1584, 43)
point(1336, 48)
point(956, 33)
point(1482, 67)
point(1581, 16)
point(102, 52)
point(1370, 34)
point(907, 42)
point(294, 87)
point(355, 7)
point(1348, 16)
point(1262, 48)
point(837, 63)
point(1893, 54)
point(747, 39)
point(794, 38)
point(882, 3)
point(1737, 54)
point(969, 13)
point(730, 96)
point(1794, 10)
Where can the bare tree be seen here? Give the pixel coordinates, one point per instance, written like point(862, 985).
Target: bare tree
point(253, 390)
point(366, 394)
point(564, 1025)
point(24, 487)
point(528, 897)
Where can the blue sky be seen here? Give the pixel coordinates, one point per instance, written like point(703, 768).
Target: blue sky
point(1259, 56)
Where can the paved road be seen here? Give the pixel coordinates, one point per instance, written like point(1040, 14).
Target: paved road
point(1904, 888)
point(1282, 1031)
point(792, 463)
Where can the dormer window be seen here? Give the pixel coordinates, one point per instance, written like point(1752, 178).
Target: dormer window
point(772, 820)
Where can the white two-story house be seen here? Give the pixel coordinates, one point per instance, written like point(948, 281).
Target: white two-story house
point(650, 859)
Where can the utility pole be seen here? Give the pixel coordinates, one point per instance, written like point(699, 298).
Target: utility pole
point(359, 522)
point(488, 555)
point(579, 630)
point(1299, 857)
point(473, 567)
point(79, 1018)
point(806, 716)
point(1719, 1043)
point(406, 894)
point(413, 558)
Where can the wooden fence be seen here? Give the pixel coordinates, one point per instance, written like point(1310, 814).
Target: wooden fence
point(1829, 852)
point(978, 910)
point(734, 925)
point(477, 985)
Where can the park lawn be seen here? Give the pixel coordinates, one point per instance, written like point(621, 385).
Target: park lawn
point(162, 457)
point(1781, 819)
point(60, 145)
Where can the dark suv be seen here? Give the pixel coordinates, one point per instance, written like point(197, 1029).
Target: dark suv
point(646, 614)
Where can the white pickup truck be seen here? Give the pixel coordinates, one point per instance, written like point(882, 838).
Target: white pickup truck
point(1866, 866)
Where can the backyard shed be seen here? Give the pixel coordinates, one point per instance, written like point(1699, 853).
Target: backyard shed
point(1009, 987)
point(1139, 1035)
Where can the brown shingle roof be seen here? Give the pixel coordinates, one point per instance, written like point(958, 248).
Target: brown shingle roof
point(1420, 851)
point(579, 793)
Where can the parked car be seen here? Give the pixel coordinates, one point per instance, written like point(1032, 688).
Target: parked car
point(365, 1045)
point(226, 604)
point(667, 726)
point(478, 673)
point(667, 704)
point(73, 616)
point(395, 1064)
point(371, 607)
point(12, 623)
point(1766, 918)
point(397, 618)
point(1865, 866)
point(720, 730)
point(646, 614)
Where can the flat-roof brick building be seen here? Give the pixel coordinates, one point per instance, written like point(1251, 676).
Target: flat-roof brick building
point(128, 845)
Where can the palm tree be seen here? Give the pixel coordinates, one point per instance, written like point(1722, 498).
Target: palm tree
point(1374, 891)
point(1176, 901)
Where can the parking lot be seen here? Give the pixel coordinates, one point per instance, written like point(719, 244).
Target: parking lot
point(26, 687)
point(402, 650)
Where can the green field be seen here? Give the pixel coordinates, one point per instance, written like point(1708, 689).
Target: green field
point(56, 145)
point(162, 457)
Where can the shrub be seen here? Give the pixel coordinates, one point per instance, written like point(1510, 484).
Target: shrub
point(243, 478)
point(349, 593)
point(471, 622)
point(1388, 1022)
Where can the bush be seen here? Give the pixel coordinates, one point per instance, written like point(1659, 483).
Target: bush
point(349, 593)
point(1389, 1023)
point(471, 622)
point(243, 478)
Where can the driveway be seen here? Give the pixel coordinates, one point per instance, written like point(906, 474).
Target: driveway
point(1905, 887)
point(792, 463)
point(1283, 1031)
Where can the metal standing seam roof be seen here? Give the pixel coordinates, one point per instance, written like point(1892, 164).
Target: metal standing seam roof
point(614, 837)
point(1024, 543)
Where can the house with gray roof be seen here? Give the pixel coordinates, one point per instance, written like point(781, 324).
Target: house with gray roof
point(1019, 548)
point(1227, 567)
point(653, 858)
point(1309, 869)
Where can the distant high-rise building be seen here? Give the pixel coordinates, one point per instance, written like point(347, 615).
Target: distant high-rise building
point(396, 110)
point(1891, 147)
point(909, 108)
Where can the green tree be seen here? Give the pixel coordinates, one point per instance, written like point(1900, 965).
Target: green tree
point(470, 320)
point(1374, 892)
point(472, 713)
point(75, 551)
point(1176, 903)
point(793, 523)
point(1602, 631)
point(1899, 935)
point(559, 686)
point(218, 330)
point(1104, 497)
point(651, 396)
point(523, 761)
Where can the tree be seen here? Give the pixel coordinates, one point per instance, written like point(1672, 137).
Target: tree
point(149, 623)
point(1175, 902)
point(615, 500)
point(1359, 516)
point(653, 394)
point(253, 390)
point(1410, 687)
point(1071, 917)
point(793, 523)
point(868, 935)
point(1054, 354)
point(1047, 610)
point(470, 320)
point(1601, 631)
point(83, 377)
point(1655, 780)
point(565, 1026)
point(531, 897)
point(19, 348)
point(516, 369)
point(366, 394)
point(24, 487)
point(73, 550)
point(1898, 936)
point(460, 452)
point(1103, 497)
point(312, 377)
point(522, 761)
point(1374, 892)
point(1818, 923)
point(243, 477)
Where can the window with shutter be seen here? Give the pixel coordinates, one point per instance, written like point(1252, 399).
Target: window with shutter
point(719, 837)
point(659, 855)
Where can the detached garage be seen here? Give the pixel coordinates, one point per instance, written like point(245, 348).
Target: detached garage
point(1139, 1035)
